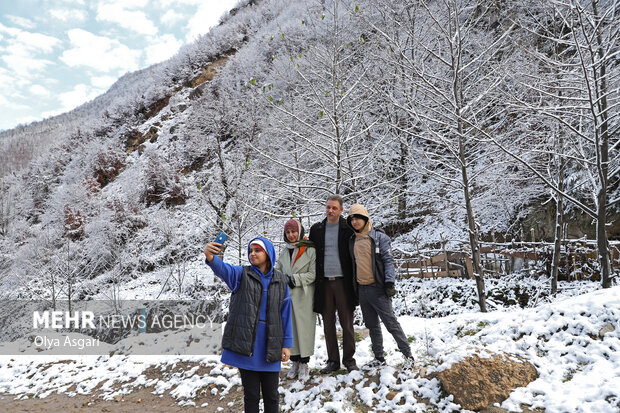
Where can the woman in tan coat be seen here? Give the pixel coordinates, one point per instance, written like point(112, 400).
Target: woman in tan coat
point(297, 260)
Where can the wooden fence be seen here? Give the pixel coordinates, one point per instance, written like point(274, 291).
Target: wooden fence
point(576, 259)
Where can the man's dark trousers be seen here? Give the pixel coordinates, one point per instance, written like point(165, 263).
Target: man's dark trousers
point(374, 304)
point(336, 299)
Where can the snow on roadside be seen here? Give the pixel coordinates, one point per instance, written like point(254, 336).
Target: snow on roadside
point(440, 297)
point(578, 370)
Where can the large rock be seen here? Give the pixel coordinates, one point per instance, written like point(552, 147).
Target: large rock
point(478, 382)
point(609, 328)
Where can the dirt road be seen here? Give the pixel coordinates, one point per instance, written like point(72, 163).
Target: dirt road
point(139, 400)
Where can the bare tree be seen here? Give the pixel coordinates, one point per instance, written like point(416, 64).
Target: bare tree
point(117, 277)
point(454, 67)
point(320, 138)
point(36, 263)
point(7, 208)
point(583, 41)
point(70, 265)
point(229, 118)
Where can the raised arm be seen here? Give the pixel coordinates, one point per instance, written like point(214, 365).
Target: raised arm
point(230, 274)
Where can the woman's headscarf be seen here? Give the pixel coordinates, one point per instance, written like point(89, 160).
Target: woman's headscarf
point(295, 224)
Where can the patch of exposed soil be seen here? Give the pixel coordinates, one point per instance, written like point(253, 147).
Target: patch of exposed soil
point(137, 400)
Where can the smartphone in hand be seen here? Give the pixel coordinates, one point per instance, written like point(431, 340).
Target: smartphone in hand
point(220, 239)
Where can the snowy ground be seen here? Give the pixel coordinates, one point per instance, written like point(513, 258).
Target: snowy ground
point(578, 370)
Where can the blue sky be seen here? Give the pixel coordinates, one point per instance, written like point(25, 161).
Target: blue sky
point(58, 54)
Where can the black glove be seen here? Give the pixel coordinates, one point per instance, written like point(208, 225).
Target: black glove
point(390, 291)
point(291, 282)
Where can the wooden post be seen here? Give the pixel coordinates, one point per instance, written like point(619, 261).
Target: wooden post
point(430, 260)
point(595, 254)
point(565, 232)
point(534, 246)
point(495, 267)
point(613, 253)
point(510, 261)
point(417, 247)
point(487, 263)
point(443, 246)
point(469, 267)
point(469, 263)
point(574, 264)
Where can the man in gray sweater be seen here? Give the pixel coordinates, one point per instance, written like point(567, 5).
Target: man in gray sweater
point(333, 291)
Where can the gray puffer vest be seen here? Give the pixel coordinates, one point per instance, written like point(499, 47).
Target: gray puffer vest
point(244, 309)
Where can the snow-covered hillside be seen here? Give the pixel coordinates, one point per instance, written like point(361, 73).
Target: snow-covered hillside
point(288, 101)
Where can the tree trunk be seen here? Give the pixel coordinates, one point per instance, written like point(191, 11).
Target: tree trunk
point(555, 265)
point(559, 218)
point(457, 90)
point(601, 239)
point(473, 230)
point(602, 150)
point(403, 180)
